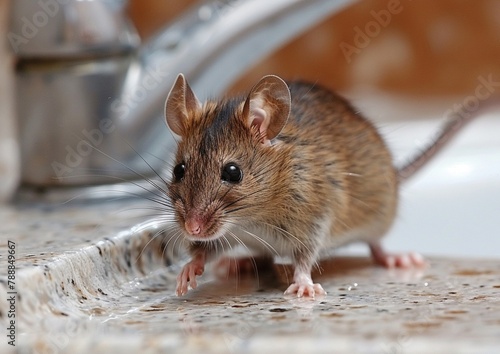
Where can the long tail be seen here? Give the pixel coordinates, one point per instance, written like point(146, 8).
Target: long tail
point(455, 122)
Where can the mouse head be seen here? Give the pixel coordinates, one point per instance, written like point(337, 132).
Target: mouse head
point(223, 164)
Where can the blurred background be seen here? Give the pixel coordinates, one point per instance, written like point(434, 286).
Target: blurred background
point(427, 48)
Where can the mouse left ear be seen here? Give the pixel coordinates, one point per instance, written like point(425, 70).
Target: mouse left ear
point(268, 106)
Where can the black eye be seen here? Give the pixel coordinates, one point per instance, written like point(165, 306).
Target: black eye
point(232, 173)
point(179, 171)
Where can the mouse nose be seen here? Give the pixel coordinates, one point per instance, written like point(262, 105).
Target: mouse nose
point(199, 224)
point(193, 226)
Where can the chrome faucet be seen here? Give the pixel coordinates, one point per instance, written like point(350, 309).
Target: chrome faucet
point(90, 96)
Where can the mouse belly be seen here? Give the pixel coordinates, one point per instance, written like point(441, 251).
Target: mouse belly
point(262, 241)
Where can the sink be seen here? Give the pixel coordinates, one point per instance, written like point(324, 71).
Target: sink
point(450, 207)
point(100, 276)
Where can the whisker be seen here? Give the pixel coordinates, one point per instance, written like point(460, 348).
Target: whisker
point(212, 200)
point(352, 174)
point(155, 235)
point(295, 238)
point(137, 184)
point(268, 246)
point(242, 198)
point(258, 238)
point(144, 177)
point(240, 242)
point(147, 163)
point(243, 207)
point(178, 238)
point(287, 233)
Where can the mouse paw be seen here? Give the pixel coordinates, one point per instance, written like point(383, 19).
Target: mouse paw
point(303, 285)
point(187, 276)
point(408, 260)
point(388, 260)
point(305, 289)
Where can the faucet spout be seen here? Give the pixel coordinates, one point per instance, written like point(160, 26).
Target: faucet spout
point(119, 100)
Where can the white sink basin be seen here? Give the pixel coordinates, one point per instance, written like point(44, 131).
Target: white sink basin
point(452, 206)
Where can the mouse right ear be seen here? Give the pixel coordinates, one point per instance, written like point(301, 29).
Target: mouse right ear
point(180, 102)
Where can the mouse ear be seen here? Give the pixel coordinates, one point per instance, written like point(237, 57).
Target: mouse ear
point(268, 106)
point(180, 101)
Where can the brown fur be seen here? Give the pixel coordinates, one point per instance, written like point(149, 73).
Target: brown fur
point(328, 165)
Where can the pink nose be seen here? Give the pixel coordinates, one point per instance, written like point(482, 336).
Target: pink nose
point(193, 227)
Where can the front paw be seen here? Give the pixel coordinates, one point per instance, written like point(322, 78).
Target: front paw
point(187, 277)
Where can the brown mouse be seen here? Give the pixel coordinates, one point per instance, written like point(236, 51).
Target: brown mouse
point(290, 169)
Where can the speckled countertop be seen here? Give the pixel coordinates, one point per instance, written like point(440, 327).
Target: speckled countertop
point(88, 282)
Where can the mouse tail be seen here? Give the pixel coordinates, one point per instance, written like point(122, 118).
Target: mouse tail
point(455, 121)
